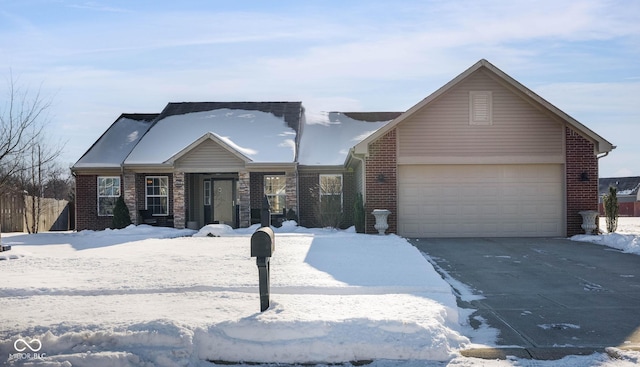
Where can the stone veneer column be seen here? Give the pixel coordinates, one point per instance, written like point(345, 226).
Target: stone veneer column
point(179, 187)
point(244, 196)
point(129, 187)
point(292, 191)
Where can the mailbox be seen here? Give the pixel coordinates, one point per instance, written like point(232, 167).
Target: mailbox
point(262, 243)
point(262, 247)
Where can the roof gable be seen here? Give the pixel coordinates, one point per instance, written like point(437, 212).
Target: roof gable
point(602, 145)
point(225, 144)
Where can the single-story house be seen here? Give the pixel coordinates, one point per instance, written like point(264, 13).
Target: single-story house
point(481, 156)
point(628, 194)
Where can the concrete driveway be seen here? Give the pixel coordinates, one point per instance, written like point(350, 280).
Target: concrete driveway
point(548, 297)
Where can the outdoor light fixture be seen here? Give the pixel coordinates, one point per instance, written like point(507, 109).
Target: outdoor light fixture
point(584, 176)
point(380, 178)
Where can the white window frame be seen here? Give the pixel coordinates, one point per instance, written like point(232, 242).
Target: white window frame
point(480, 107)
point(108, 191)
point(323, 194)
point(159, 195)
point(280, 193)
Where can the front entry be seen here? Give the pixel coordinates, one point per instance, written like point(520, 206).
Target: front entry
point(218, 201)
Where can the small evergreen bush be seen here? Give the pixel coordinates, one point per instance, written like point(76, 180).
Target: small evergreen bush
point(291, 215)
point(610, 203)
point(121, 216)
point(358, 214)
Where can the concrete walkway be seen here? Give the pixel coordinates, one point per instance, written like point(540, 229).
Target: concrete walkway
point(548, 297)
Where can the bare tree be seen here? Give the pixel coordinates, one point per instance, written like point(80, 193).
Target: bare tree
point(23, 116)
point(27, 158)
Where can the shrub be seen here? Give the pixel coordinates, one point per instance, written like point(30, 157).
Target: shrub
point(358, 214)
point(291, 215)
point(121, 216)
point(610, 203)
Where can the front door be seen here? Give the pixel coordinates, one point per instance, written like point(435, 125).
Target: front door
point(223, 209)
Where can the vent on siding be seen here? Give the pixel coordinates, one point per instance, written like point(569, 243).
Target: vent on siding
point(480, 108)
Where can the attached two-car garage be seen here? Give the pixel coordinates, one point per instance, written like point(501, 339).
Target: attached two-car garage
point(525, 200)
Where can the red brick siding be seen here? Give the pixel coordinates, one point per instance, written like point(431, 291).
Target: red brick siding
point(87, 204)
point(309, 183)
point(581, 194)
point(256, 189)
point(382, 195)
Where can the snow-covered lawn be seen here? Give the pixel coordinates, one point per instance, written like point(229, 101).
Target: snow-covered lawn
point(626, 238)
point(148, 296)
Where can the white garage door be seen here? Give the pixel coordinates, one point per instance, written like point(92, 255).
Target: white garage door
point(480, 200)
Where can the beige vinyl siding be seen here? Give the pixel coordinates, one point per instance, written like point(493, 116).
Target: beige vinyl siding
point(209, 156)
point(518, 132)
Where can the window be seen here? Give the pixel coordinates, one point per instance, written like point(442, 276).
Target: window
point(275, 188)
point(108, 193)
point(480, 108)
point(207, 192)
point(331, 192)
point(157, 194)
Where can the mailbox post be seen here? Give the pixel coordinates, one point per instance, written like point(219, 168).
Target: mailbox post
point(262, 248)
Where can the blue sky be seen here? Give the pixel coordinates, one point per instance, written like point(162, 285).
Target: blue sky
point(98, 59)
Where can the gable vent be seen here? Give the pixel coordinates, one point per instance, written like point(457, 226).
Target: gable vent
point(480, 108)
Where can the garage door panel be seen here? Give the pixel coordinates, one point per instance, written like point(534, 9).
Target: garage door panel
point(480, 200)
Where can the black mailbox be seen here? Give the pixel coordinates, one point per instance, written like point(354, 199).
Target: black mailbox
point(262, 243)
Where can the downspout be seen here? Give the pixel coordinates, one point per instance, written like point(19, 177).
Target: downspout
point(364, 183)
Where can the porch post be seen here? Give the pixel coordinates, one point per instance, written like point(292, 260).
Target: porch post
point(244, 196)
point(129, 187)
point(292, 191)
point(178, 200)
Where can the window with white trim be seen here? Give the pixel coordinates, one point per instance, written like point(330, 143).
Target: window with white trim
point(108, 194)
point(480, 107)
point(157, 194)
point(331, 192)
point(275, 188)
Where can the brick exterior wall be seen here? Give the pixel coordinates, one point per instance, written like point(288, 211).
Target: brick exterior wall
point(382, 195)
point(309, 182)
point(87, 204)
point(581, 194)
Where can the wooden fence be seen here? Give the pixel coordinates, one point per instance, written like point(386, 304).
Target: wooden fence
point(55, 214)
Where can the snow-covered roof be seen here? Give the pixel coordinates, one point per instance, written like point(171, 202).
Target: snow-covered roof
point(117, 142)
point(328, 136)
point(626, 186)
point(261, 131)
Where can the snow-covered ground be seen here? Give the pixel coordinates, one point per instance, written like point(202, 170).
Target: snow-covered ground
point(148, 296)
point(626, 238)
